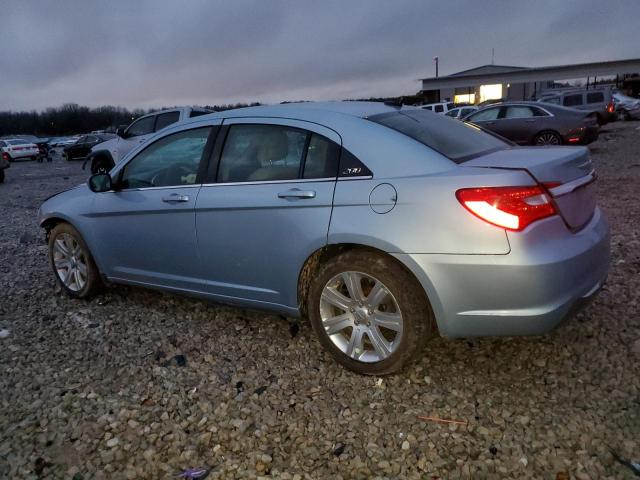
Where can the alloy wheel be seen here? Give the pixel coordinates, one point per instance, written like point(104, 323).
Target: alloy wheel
point(548, 139)
point(70, 262)
point(361, 316)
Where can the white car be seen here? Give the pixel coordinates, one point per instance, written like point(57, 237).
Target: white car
point(626, 107)
point(107, 154)
point(461, 112)
point(17, 148)
point(440, 107)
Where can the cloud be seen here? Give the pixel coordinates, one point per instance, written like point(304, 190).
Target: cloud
point(157, 52)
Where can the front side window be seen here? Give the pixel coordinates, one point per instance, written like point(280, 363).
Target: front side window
point(452, 113)
point(438, 109)
point(466, 111)
point(595, 97)
point(170, 161)
point(143, 126)
point(572, 100)
point(554, 100)
point(485, 115)
point(458, 141)
point(254, 153)
point(166, 119)
point(519, 112)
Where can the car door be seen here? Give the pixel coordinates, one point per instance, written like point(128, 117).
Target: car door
point(135, 134)
point(487, 118)
point(267, 207)
point(145, 227)
point(520, 124)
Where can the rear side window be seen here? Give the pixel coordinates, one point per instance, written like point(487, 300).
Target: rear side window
point(144, 126)
point(554, 100)
point(428, 108)
point(258, 153)
point(572, 100)
point(197, 113)
point(519, 112)
point(438, 108)
point(166, 119)
point(466, 111)
point(456, 140)
point(322, 158)
point(595, 97)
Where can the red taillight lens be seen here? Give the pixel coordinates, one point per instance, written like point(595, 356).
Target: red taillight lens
point(611, 107)
point(512, 208)
point(5, 155)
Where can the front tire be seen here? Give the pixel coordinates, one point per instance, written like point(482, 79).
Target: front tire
point(369, 312)
point(72, 262)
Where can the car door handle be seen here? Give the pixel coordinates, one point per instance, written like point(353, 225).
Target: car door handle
point(530, 121)
point(175, 198)
point(297, 193)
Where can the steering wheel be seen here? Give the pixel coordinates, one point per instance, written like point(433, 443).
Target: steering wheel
point(171, 175)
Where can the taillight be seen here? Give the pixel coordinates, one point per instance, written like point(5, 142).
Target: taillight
point(5, 155)
point(610, 107)
point(513, 208)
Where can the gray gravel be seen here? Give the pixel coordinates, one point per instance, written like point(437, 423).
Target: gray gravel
point(137, 384)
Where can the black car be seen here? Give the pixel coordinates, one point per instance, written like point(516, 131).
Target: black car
point(535, 123)
point(80, 149)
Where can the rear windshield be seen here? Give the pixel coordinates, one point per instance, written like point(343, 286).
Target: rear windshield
point(17, 142)
point(456, 140)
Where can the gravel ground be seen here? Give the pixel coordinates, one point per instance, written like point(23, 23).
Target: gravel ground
point(138, 384)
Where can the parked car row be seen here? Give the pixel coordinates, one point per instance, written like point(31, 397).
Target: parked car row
point(600, 101)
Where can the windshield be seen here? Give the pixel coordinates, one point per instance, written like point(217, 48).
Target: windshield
point(456, 140)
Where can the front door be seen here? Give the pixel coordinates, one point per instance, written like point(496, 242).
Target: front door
point(147, 225)
point(267, 207)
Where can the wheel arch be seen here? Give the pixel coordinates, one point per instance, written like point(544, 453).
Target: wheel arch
point(324, 253)
point(96, 156)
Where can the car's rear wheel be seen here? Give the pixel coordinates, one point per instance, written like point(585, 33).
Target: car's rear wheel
point(369, 312)
point(548, 138)
point(72, 262)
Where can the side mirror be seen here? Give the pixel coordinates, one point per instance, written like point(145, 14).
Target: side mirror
point(100, 182)
point(120, 132)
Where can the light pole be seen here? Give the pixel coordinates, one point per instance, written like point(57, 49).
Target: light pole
point(435, 59)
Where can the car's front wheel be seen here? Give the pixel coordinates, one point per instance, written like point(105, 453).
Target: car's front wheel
point(369, 312)
point(72, 262)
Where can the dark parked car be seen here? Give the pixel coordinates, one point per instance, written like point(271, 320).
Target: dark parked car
point(534, 123)
point(80, 149)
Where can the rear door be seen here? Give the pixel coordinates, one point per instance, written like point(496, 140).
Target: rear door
point(520, 123)
point(488, 118)
point(266, 207)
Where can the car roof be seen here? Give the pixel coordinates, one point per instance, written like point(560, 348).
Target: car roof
point(309, 111)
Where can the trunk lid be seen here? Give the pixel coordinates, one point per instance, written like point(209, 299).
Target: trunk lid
point(566, 171)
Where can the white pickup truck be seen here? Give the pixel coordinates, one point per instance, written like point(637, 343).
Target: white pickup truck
point(105, 155)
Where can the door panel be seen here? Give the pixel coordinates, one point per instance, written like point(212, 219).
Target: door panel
point(145, 237)
point(254, 237)
point(146, 228)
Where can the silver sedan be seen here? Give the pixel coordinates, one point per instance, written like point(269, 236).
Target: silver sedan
point(382, 225)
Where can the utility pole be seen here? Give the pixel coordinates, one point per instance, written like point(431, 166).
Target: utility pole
point(493, 52)
point(435, 59)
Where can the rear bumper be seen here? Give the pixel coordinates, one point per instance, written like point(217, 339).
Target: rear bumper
point(526, 292)
point(23, 154)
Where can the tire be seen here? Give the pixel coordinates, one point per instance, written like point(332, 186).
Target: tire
point(101, 165)
point(76, 285)
point(548, 137)
point(404, 304)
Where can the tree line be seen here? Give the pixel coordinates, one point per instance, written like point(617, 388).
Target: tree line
point(71, 118)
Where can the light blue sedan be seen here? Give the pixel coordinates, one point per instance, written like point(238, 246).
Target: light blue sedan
point(383, 225)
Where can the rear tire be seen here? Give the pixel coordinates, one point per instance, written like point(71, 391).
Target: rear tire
point(547, 137)
point(365, 333)
point(72, 262)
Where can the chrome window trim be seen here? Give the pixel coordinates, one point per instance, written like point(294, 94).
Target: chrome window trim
point(270, 182)
point(360, 177)
point(141, 189)
point(573, 185)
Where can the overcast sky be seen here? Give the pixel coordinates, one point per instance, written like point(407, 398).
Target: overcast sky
point(150, 53)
